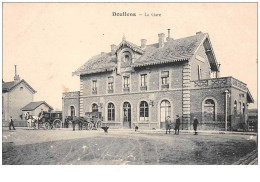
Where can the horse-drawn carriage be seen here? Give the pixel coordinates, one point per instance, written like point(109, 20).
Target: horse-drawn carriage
point(92, 120)
point(48, 120)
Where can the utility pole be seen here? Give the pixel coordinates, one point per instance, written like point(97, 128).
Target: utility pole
point(226, 107)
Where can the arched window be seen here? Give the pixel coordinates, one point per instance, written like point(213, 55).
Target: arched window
point(111, 112)
point(209, 110)
point(72, 111)
point(165, 110)
point(235, 107)
point(144, 111)
point(94, 108)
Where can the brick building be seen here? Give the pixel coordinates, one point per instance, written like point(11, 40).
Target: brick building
point(15, 95)
point(142, 85)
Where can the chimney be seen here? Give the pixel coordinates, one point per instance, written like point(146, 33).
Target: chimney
point(143, 43)
point(161, 39)
point(169, 35)
point(113, 48)
point(16, 77)
point(198, 32)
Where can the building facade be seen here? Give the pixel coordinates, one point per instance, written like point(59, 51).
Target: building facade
point(15, 95)
point(141, 85)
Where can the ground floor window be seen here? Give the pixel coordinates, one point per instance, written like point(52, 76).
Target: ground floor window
point(144, 111)
point(111, 112)
point(94, 108)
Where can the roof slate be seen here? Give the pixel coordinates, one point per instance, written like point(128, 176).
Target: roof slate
point(33, 105)
point(8, 86)
point(173, 50)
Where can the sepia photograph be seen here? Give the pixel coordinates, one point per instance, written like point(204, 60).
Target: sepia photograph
point(129, 84)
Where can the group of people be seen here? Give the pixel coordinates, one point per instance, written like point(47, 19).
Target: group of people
point(178, 123)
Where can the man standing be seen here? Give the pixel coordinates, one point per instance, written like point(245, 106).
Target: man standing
point(177, 125)
point(195, 124)
point(11, 123)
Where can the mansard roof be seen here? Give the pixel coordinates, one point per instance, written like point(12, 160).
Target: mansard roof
point(8, 86)
point(172, 51)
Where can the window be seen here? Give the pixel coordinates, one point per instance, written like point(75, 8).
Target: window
point(94, 108)
point(94, 85)
point(165, 78)
point(235, 107)
point(143, 80)
point(110, 83)
point(126, 82)
point(144, 111)
point(111, 112)
point(21, 88)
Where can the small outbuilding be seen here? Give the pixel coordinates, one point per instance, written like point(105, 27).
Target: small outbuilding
point(34, 108)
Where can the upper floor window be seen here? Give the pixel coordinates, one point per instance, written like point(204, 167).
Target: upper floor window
point(110, 83)
point(94, 86)
point(126, 82)
point(21, 88)
point(126, 59)
point(143, 80)
point(165, 79)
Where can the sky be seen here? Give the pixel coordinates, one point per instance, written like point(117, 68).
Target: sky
point(49, 41)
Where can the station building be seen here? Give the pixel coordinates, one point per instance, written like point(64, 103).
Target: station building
point(140, 85)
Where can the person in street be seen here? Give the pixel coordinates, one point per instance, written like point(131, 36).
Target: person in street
point(168, 124)
point(195, 125)
point(177, 125)
point(11, 123)
point(40, 114)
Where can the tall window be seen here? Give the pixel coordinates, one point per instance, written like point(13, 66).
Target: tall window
point(209, 110)
point(144, 111)
point(165, 110)
point(165, 77)
point(143, 80)
point(235, 107)
point(94, 108)
point(110, 83)
point(94, 85)
point(111, 112)
point(126, 82)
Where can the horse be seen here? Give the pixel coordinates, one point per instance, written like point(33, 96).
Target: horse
point(31, 120)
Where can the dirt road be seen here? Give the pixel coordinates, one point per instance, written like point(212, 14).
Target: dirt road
point(64, 146)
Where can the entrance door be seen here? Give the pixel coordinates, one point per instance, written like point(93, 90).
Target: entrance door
point(127, 115)
point(165, 111)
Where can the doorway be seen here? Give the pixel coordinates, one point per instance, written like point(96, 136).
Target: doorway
point(127, 115)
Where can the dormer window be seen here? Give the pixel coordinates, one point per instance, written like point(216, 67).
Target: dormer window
point(126, 59)
point(21, 88)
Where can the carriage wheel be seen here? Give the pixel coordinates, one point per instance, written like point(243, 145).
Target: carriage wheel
point(47, 126)
point(90, 125)
point(57, 123)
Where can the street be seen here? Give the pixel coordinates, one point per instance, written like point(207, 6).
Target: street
point(124, 147)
